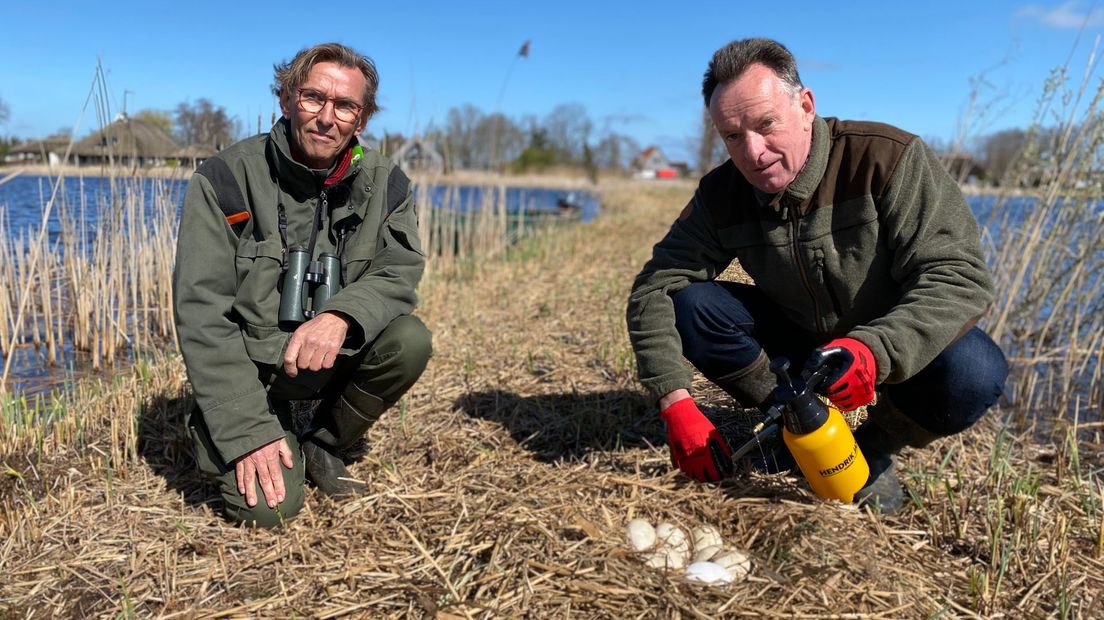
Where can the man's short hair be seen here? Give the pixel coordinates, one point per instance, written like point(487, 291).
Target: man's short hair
point(291, 75)
point(730, 62)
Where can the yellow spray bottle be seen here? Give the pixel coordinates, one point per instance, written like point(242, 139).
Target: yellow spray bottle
point(818, 436)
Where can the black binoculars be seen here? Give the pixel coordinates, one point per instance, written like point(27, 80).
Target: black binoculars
point(307, 285)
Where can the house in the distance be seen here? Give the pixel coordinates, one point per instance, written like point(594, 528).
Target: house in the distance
point(651, 163)
point(418, 155)
point(49, 151)
point(127, 141)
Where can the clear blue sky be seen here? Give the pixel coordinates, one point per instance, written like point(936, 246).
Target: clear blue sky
point(635, 66)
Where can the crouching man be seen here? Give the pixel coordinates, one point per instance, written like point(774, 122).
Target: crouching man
point(297, 260)
point(865, 257)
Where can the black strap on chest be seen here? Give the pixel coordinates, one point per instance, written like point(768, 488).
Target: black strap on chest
point(398, 184)
point(228, 193)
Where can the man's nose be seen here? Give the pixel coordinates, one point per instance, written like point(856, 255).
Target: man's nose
point(326, 114)
point(753, 147)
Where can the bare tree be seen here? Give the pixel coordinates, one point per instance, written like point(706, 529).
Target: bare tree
point(1001, 149)
point(567, 129)
point(460, 136)
point(4, 112)
point(614, 151)
point(205, 123)
point(711, 148)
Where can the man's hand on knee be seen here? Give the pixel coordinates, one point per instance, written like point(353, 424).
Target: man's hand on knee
point(315, 344)
point(697, 447)
point(263, 465)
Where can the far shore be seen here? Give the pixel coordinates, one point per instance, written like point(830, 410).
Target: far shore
point(558, 177)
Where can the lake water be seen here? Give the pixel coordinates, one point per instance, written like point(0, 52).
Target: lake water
point(23, 198)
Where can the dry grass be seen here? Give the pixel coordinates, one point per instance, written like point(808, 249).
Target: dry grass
point(501, 485)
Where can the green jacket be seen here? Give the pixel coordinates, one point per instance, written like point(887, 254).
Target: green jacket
point(872, 240)
point(225, 281)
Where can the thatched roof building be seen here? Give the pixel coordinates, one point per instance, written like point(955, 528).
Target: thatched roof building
point(48, 150)
point(418, 155)
point(193, 154)
point(127, 141)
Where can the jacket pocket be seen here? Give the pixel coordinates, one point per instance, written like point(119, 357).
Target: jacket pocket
point(358, 256)
point(259, 266)
point(844, 220)
point(406, 235)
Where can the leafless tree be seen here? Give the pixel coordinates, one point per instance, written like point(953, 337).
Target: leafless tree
point(205, 123)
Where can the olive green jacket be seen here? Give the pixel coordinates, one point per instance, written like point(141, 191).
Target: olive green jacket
point(226, 300)
point(872, 240)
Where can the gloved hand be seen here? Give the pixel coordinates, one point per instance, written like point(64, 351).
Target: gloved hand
point(697, 447)
point(852, 372)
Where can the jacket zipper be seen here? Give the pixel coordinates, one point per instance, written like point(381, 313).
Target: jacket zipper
point(803, 272)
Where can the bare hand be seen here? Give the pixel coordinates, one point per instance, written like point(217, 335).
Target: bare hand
point(315, 344)
point(263, 464)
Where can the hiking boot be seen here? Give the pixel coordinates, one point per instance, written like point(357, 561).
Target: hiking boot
point(328, 473)
point(883, 489)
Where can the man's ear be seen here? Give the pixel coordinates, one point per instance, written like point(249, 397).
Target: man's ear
point(285, 103)
point(808, 107)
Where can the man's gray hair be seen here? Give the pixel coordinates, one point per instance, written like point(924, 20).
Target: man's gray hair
point(291, 75)
point(732, 60)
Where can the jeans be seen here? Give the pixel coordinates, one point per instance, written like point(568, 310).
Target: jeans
point(725, 325)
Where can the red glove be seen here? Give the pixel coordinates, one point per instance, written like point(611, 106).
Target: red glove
point(852, 372)
point(697, 447)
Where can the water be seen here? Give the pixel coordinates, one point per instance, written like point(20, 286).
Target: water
point(23, 199)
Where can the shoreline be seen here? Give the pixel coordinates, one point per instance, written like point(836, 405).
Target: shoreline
point(556, 178)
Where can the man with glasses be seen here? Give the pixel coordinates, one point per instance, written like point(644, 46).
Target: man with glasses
point(297, 260)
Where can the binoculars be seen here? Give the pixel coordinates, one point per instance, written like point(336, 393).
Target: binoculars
point(307, 285)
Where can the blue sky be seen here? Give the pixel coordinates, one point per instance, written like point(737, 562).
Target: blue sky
point(635, 66)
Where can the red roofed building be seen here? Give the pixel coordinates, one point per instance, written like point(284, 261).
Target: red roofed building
point(651, 163)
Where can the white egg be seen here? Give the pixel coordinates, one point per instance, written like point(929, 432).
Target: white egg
point(735, 562)
point(705, 553)
point(705, 536)
point(708, 572)
point(667, 558)
point(641, 535)
point(672, 536)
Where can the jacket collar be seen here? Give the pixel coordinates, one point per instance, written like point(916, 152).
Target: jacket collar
point(293, 176)
point(797, 193)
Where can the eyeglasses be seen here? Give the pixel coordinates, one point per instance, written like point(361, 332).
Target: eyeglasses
point(312, 102)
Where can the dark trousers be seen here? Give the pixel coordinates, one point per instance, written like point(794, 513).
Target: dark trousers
point(387, 369)
point(725, 325)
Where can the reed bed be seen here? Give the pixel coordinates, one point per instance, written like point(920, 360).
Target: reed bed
point(501, 485)
point(1048, 258)
point(103, 289)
